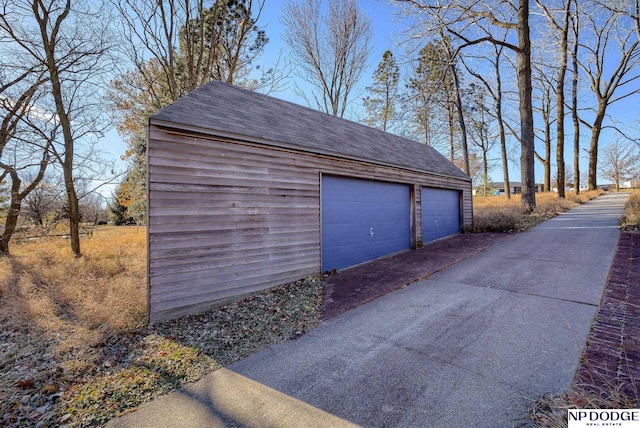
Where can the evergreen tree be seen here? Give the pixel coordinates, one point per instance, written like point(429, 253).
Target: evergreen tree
point(481, 128)
point(118, 214)
point(129, 203)
point(381, 106)
point(221, 44)
point(429, 87)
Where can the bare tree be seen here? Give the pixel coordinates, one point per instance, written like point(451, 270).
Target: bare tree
point(461, 19)
point(544, 77)
point(562, 27)
point(434, 99)
point(575, 27)
point(44, 207)
point(74, 45)
point(93, 208)
point(25, 135)
point(70, 43)
point(495, 91)
point(178, 45)
point(568, 177)
point(619, 162)
point(331, 50)
point(454, 98)
point(20, 153)
point(481, 130)
point(611, 62)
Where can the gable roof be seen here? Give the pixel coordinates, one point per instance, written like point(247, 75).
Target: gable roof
point(221, 109)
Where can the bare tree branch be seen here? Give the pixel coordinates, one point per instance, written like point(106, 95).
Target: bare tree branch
point(331, 50)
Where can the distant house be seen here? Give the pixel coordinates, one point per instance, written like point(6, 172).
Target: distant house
point(515, 187)
point(247, 192)
point(569, 187)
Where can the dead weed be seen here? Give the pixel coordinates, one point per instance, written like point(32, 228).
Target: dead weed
point(498, 214)
point(74, 346)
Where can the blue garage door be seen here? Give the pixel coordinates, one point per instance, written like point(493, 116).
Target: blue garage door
point(363, 220)
point(440, 213)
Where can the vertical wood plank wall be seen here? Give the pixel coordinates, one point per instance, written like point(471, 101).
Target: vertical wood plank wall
point(229, 218)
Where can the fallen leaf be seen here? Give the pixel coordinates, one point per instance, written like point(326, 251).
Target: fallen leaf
point(24, 383)
point(50, 389)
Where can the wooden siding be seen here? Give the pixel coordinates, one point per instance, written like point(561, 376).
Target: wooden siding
point(230, 218)
point(417, 216)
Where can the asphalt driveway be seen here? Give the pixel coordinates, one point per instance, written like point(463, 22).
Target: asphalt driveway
point(472, 345)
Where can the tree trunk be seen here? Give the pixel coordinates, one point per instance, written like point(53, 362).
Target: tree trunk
point(74, 208)
point(526, 110)
point(425, 124)
point(67, 166)
point(596, 129)
point(576, 153)
point(503, 135)
point(65, 121)
point(564, 40)
point(458, 99)
point(547, 154)
point(546, 174)
point(463, 129)
point(485, 167)
point(452, 140)
point(544, 112)
point(574, 109)
point(12, 215)
point(560, 142)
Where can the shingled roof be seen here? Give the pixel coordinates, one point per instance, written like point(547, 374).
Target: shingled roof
point(221, 109)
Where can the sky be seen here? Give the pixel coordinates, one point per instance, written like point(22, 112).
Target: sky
point(387, 29)
point(383, 37)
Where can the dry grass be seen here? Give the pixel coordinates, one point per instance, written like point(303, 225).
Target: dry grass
point(551, 411)
point(631, 217)
point(75, 348)
point(98, 294)
point(498, 214)
point(57, 312)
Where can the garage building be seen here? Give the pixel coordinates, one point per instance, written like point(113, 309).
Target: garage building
point(247, 192)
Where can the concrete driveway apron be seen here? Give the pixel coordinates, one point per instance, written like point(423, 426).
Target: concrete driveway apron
point(471, 346)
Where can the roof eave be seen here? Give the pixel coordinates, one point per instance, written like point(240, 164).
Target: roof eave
point(271, 143)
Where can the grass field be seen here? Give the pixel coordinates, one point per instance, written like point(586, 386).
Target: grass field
point(78, 292)
point(75, 346)
point(57, 312)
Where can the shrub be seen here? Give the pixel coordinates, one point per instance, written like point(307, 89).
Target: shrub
point(631, 216)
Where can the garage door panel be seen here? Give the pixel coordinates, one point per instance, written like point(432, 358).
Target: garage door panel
point(440, 213)
point(362, 220)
